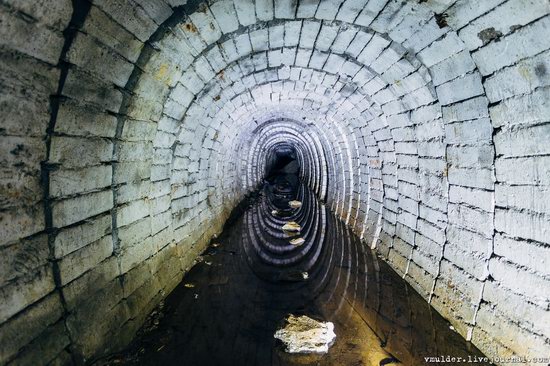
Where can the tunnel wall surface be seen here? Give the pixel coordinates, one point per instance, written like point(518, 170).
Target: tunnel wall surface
point(131, 128)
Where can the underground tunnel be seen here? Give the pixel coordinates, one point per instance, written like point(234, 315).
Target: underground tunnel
point(183, 180)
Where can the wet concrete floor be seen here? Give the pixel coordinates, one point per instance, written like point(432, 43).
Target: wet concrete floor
point(228, 307)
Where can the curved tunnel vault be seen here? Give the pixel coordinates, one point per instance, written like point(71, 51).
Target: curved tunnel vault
point(131, 129)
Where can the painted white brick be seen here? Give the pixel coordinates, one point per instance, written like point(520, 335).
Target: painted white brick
point(529, 109)
point(452, 67)
point(245, 11)
point(531, 171)
point(519, 280)
point(473, 197)
point(207, 26)
point(474, 178)
point(525, 253)
point(471, 156)
point(328, 9)
point(285, 9)
point(513, 48)
point(373, 49)
point(471, 219)
point(343, 39)
point(459, 89)
point(464, 11)
point(522, 78)
point(75, 209)
point(370, 11)
point(523, 197)
point(292, 33)
point(470, 109)
point(276, 36)
point(225, 15)
point(326, 37)
point(358, 44)
point(264, 10)
point(309, 33)
point(523, 142)
point(350, 9)
point(307, 9)
point(502, 20)
point(259, 40)
point(441, 49)
point(68, 182)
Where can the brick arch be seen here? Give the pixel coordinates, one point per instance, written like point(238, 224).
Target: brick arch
point(440, 108)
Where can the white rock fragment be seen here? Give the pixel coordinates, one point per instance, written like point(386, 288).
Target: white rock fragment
point(302, 334)
point(295, 204)
point(297, 241)
point(291, 226)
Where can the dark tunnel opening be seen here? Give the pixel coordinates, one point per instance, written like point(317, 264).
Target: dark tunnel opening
point(282, 175)
point(282, 159)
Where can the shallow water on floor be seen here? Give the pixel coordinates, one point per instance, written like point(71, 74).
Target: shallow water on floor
point(228, 307)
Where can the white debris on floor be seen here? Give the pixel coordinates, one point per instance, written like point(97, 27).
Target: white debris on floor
point(301, 334)
point(297, 242)
point(291, 226)
point(295, 204)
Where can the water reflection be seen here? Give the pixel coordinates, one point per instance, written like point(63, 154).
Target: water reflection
point(246, 286)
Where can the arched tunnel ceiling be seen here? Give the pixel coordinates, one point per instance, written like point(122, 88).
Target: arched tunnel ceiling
point(422, 124)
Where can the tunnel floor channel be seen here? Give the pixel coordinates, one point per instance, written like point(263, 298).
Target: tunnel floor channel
point(230, 304)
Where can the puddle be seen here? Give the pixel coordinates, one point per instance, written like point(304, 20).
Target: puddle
point(246, 287)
